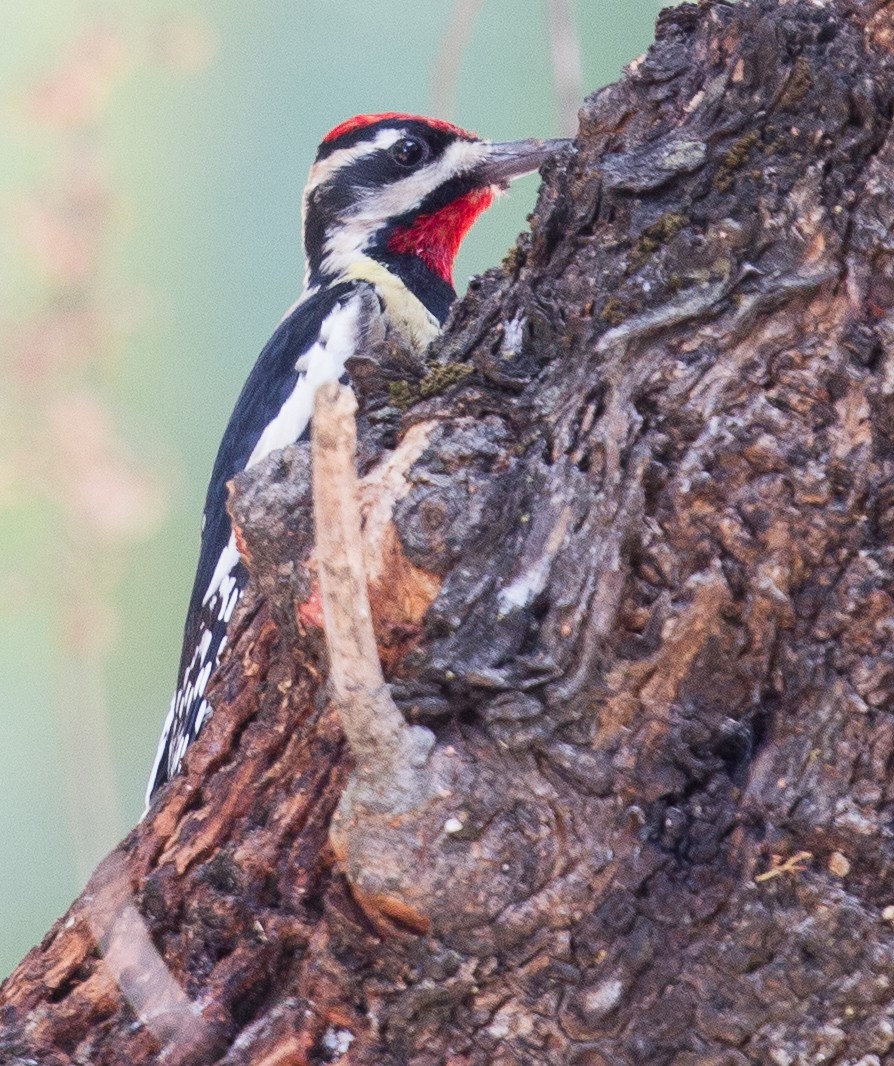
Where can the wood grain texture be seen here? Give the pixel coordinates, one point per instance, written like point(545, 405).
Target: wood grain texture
point(637, 515)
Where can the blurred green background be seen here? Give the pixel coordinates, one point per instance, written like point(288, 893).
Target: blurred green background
point(152, 154)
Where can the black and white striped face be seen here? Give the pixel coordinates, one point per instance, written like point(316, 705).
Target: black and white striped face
point(392, 185)
point(374, 171)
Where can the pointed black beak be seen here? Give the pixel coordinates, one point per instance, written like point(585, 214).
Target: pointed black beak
point(511, 159)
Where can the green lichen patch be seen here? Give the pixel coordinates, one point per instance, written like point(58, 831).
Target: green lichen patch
point(615, 311)
point(402, 394)
point(654, 236)
point(799, 84)
point(513, 261)
point(734, 159)
point(438, 379)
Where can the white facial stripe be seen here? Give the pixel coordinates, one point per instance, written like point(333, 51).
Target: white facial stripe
point(404, 195)
point(343, 157)
point(355, 233)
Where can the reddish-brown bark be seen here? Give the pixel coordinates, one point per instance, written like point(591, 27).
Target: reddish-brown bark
point(631, 564)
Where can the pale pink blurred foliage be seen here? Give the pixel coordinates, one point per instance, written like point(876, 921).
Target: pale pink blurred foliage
point(63, 446)
point(63, 228)
point(67, 448)
point(105, 488)
point(75, 93)
point(56, 340)
point(186, 44)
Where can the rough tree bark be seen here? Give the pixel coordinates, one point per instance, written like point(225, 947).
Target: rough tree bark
point(630, 550)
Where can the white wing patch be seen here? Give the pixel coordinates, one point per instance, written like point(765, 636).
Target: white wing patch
point(229, 557)
point(325, 361)
point(159, 753)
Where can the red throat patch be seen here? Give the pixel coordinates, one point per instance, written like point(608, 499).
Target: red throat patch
point(360, 122)
point(436, 238)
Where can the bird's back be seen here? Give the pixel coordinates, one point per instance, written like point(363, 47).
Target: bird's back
point(273, 410)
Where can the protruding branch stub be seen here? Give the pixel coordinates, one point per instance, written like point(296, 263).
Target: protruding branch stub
point(410, 830)
point(390, 753)
point(394, 783)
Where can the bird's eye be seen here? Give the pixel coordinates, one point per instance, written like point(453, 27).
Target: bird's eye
point(408, 152)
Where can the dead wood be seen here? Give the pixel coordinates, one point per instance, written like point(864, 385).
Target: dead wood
point(628, 542)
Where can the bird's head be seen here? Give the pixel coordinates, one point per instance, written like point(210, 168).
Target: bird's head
point(403, 191)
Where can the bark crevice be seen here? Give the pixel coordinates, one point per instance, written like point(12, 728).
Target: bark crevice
point(630, 561)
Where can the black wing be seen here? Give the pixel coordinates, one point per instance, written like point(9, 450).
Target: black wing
point(221, 576)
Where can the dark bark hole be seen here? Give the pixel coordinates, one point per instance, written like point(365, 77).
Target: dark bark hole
point(735, 748)
point(654, 480)
point(222, 873)
point(534, 616)
point(828, 32)
point(760, 728)
point(270, 896)
point(66, 987)
point(245, 1009)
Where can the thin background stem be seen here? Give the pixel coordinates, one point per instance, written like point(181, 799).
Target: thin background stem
point(564, 50)
point(456, 41)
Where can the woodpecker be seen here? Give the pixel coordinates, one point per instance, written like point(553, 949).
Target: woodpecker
point(388, 201)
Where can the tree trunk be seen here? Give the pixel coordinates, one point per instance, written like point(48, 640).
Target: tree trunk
point(628, 540)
